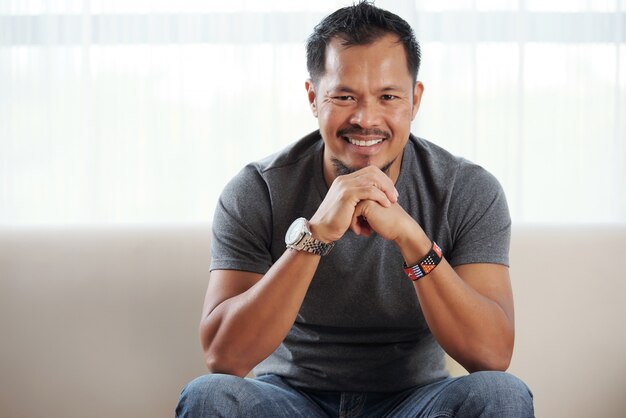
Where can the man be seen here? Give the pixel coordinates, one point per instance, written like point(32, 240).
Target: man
point(344, 266)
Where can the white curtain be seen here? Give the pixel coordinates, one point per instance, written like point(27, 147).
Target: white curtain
point(141, 111)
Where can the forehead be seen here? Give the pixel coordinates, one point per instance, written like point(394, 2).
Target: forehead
point(385, 58)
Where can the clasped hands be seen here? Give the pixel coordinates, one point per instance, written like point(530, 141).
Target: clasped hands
point(365, 201)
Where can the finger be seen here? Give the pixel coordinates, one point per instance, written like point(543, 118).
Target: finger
point(373, 176)
point(354, 225)
point(359, 224)
point(366, 228)
point(373, 193)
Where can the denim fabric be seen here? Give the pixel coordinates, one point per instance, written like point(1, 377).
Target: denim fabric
point(481, 394)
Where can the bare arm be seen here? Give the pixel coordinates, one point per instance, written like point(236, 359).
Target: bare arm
point(477, 299)
point(247, 315)
point(469, 309)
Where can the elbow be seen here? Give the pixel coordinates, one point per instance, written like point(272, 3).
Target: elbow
point(224, 364)
point(502, 359)
point(496, 359)
point(496, 363)
point(218, 357)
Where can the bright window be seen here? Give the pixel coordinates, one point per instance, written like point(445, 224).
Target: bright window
point(141, 111)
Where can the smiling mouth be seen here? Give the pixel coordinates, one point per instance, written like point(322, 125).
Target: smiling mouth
point(363, 143)
point(361, 137)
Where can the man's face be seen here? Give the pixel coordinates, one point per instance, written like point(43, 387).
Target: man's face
point(364, 103)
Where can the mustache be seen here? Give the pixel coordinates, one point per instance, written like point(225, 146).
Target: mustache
point(355, 130)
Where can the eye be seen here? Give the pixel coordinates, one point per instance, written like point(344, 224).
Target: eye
point(343, 98)
point(387, 97)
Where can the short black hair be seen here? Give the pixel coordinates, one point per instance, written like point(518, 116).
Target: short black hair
point(359, 24)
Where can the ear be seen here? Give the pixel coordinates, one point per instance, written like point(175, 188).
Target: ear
point(417, 97)
point(310, 91)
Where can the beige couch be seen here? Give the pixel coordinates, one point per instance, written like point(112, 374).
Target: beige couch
point(102, 321)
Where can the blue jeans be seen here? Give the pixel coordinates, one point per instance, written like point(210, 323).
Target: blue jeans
point(481, 394)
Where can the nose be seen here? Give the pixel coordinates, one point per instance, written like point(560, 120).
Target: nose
point(366, 114)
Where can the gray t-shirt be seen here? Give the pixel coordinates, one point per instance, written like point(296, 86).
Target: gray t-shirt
point(360, 327)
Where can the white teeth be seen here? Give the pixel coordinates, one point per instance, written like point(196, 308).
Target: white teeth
point(365, 143)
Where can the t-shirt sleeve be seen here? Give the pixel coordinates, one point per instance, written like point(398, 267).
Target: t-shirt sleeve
point(479, 218)
point(242, 225)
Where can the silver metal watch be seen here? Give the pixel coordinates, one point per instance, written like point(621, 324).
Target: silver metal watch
point(298, 237)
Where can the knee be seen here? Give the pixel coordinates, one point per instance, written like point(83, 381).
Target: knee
point(497, 381)
point(212, 384)
point(208, 394)
point(498, 394)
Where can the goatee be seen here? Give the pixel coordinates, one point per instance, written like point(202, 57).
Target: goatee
point(342, 169)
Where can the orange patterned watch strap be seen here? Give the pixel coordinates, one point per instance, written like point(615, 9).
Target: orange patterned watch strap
point(425, 265)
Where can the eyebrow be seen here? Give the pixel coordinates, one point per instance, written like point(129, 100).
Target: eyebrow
point(345, 89)
point(340, 88)
point(392, 88)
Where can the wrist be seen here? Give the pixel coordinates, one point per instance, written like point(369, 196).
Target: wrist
point(316, 232)
point(300, 238)
point(425, 265)
point(412, 241)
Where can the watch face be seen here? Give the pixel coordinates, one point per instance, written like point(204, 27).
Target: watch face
point(295, 231)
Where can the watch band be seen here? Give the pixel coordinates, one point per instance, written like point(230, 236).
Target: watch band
point(425, 265)
point(299, 238)
point(312, 245)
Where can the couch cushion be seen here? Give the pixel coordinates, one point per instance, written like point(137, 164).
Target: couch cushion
point(100, 321)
